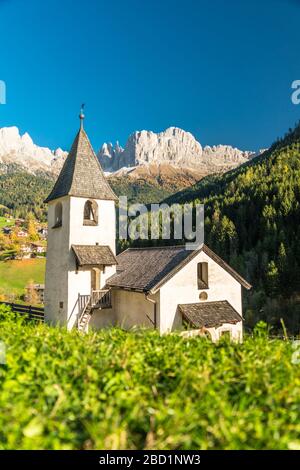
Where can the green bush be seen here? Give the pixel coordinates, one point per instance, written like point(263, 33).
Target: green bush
point(136, 390)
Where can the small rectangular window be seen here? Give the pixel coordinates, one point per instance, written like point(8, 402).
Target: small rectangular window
point(202, 273)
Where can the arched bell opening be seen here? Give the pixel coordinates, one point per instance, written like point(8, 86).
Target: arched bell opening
point(90, 213)
point(58, 214)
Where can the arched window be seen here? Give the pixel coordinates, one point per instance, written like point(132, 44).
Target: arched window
point(90, 213)
point(58, 215)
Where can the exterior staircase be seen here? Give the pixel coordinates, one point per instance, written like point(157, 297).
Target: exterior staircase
point(84, 319)
point(87, 303)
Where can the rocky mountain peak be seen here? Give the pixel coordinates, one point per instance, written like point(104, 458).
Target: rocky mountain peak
point(173, 146)
point(17, 149)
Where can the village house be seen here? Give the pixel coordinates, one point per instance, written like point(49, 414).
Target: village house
point(31, 250)
point(22, 234)
point(88, 286)
point(25, 252)
point(37, 248)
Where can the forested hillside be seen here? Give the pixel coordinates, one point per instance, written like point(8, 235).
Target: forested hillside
point(139, 191)
point(23, 193)
point(252, 217)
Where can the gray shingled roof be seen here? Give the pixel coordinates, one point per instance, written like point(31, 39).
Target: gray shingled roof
point(81, 174)
point(146, 269)
point(209, 314)
point(143, 268)
point(93, 255)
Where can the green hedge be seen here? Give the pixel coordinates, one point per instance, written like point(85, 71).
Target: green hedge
point(120, 390)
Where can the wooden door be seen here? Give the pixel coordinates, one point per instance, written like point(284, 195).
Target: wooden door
point(95, 279)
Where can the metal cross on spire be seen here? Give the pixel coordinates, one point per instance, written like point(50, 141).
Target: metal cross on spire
point(81, 115)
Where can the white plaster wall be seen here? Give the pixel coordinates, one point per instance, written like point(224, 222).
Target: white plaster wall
point(63, 282)
point(182, 289)
point(104, 318)
point(131, 308)
point(236, 332)
point(57, 264)
point(80, 283)
point(108, 271)
point(104, 233)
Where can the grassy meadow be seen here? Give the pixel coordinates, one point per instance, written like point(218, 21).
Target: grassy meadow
point(136, 390)
point(16, 274)
point(5, 222)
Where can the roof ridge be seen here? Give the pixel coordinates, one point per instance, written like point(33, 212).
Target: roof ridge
point(89, 245)
point(206, 302)
point(135, 248)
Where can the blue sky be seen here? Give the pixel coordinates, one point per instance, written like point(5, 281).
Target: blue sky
point(219, 69)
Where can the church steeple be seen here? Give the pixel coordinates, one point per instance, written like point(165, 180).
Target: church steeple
point(81, 233)
point(81, 174)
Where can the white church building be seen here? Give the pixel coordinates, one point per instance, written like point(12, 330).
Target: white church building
point(89, 286)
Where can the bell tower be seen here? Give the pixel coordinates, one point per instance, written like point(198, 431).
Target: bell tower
point(81, 232)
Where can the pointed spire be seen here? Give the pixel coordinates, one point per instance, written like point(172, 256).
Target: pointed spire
point(81, 174)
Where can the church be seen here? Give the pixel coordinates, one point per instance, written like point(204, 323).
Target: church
point(88, 286)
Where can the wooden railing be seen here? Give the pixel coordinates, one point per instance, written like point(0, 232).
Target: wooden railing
point(33, 313)
point(101, 298)
point(83, 300)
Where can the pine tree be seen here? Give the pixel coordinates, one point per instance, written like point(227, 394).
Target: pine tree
point(272, 279)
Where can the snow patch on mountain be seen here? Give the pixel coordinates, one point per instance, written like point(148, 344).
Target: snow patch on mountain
point(17, 149)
